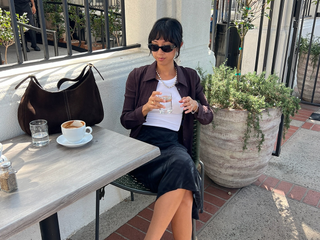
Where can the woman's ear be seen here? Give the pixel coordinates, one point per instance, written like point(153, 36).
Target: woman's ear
point(181, 44)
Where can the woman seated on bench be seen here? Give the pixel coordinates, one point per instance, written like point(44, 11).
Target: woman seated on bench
point(172, 175)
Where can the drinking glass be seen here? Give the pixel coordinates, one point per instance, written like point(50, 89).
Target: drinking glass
point(39, 132)
point(167, 97)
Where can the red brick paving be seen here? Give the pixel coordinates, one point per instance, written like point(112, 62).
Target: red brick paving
point(213, 199)
point(139, 223)
point(210, 208)
point(316, 127)
point(283, 188)
point(216, 196)
point(303, 115)
point(260, 180)
point(270, 183)
point(293, 191)
point(312, 198)
point(130, 232)
point(115, 236)
point(297, 192)
point(307, 125)
point(146, 213)
point(218, 192)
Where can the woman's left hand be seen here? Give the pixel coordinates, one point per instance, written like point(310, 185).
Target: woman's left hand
point(189, 105)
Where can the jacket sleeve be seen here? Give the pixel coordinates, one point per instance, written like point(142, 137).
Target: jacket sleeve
point(204, 114)
point(132, 116)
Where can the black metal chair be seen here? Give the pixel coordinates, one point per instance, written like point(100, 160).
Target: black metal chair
point(130, 183)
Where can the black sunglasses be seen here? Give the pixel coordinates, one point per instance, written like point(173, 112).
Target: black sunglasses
point(164, 48)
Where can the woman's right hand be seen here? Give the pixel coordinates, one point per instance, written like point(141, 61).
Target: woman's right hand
point(153, 103)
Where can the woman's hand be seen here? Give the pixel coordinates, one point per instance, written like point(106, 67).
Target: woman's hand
point(189, 105)
point(153, 103)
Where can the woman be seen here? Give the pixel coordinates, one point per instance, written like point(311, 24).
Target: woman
point(173, 174)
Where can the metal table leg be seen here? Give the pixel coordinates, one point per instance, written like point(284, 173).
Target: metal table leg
point(50, 228)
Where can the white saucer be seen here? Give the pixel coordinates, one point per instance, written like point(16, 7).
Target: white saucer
point(62, 141)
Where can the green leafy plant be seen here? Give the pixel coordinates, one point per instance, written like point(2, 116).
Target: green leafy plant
point(6, 32)
point(226, 88)
point(98, 24)
point(78, 18)
point(115, 22)
point(252, 92)
point(53, 14)
point(249, 11)
point(314, 46)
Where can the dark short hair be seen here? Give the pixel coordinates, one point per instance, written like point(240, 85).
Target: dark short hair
point(169, 29)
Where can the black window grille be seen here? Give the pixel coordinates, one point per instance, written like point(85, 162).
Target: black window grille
point(87, 29)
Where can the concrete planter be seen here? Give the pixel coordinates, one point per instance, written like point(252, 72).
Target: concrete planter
point(310, 78)
point(221, 148)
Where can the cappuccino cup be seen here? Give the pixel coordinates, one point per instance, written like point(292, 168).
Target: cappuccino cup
point(75, 130)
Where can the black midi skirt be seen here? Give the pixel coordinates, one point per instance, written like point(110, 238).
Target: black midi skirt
point(172, 170)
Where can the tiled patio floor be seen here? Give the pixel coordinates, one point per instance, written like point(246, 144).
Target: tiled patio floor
point(216, 197)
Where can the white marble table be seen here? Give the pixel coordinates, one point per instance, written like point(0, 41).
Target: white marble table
point(53, 177)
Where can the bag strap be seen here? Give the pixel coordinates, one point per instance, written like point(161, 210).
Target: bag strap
point(79, 77)
point(32, 77)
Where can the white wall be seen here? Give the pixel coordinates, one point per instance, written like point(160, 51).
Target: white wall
point(115, 67)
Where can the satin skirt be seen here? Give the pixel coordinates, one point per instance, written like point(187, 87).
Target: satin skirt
point(173, 169)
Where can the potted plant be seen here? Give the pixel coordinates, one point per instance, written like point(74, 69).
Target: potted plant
point(310, 69)
point(54, 17)
point(98, 26)
point(6, 32)
point(115, 24)
point(247, 112)
point(77, 17)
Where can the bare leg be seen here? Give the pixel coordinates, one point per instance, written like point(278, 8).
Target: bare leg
point(182, 220)
point(164, 209)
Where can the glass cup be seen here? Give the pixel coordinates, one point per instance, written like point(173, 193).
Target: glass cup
point(167, 97)
point(39, 132)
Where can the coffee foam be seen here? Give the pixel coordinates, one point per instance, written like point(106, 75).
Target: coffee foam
point(73, 124)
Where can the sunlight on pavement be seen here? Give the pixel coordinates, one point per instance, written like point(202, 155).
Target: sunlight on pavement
point(309, 232)
point(285, 213)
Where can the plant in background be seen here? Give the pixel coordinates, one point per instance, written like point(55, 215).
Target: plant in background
point(314, 46)
point(115, 23)
point(78, 18)
point(97, 25)
point(6, 32)
point(252, 92)
point(53, 14)
point(307, 76)
point(249, 11)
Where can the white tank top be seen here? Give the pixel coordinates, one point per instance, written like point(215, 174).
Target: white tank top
point(172, 120)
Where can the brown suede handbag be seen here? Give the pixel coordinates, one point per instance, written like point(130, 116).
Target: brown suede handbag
point(80, 101)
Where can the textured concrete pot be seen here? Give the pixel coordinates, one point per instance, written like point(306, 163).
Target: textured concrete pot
point(221, 148)
point(310, 78)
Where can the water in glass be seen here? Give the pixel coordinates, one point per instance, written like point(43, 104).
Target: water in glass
point(40, 139)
